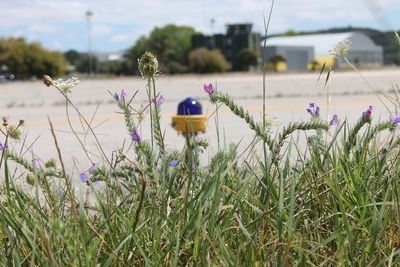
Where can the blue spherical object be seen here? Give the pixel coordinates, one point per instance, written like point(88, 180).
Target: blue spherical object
point(190, 106)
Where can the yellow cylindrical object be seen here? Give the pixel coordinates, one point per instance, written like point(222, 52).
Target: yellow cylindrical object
point(189, 123)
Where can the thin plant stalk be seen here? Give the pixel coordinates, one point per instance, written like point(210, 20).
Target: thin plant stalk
point(87, 124)
point(157, 117)
point(366, 81)
point(151, 111)
point(264, 72)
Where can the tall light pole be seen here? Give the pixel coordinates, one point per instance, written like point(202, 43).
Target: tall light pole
point(212, 22)
point(89, 14)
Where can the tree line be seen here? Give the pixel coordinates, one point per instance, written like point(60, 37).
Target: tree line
point(25, 60)
point(171, 44)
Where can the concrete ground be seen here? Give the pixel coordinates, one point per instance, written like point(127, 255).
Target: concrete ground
point(288, 96)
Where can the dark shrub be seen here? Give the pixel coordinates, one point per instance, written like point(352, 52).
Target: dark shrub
point(203, 60)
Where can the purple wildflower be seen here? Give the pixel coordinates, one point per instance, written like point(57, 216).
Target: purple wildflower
point(209, 88)
point(313, 110)
point(136, 137)
point(96, 182)
point(83, 177)
point(116, 96)
point(395, 119)
point(334, 121)
point(123, 94)
point(173, 163)
point(194, 167)
point(61, 192)
point(2, 147)
point(92, 168)
point(366, 114)
point(35, 162)
point(159, 100)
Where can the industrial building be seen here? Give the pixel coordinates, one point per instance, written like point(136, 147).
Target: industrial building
point(237, 37)
point(303, 51)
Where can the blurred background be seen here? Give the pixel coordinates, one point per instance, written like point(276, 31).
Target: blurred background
point(106, 38)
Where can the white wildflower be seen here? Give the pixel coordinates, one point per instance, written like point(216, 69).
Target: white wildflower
point(271, 121)
point(341, 49)
point(65, 85)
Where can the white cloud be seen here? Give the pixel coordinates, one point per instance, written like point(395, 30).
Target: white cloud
point(159, 12)
point(31, 37)
point(99, 30)
point(43, 28)
point(57, 45)
point(17, 34)
point(44, 16)
point(122, 38)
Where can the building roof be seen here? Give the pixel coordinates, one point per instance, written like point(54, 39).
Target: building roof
point(322, 43)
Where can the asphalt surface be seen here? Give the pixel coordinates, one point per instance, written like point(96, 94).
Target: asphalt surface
point(288, 96)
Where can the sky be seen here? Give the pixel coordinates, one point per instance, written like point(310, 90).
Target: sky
point(116, 24)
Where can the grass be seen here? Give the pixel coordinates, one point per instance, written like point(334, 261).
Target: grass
point(334, 202)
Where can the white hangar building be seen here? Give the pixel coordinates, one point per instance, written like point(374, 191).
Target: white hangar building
point(300, 50)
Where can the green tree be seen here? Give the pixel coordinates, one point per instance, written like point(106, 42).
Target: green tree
point(73, 57)
point(202, 60)
point(80, 61)
point(171, 45)
point(276, 58)
point(25, 60)
point(289, 33)
point(82, 65)
point(135, 53)
point(110, 67)
point(246, 58)
point(396, 59)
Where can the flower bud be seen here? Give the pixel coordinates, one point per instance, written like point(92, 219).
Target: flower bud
point(51, 163)
point(14, 132)
point(30, 179)
point(5, 121)
point(47, 80)
point(148, 65)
